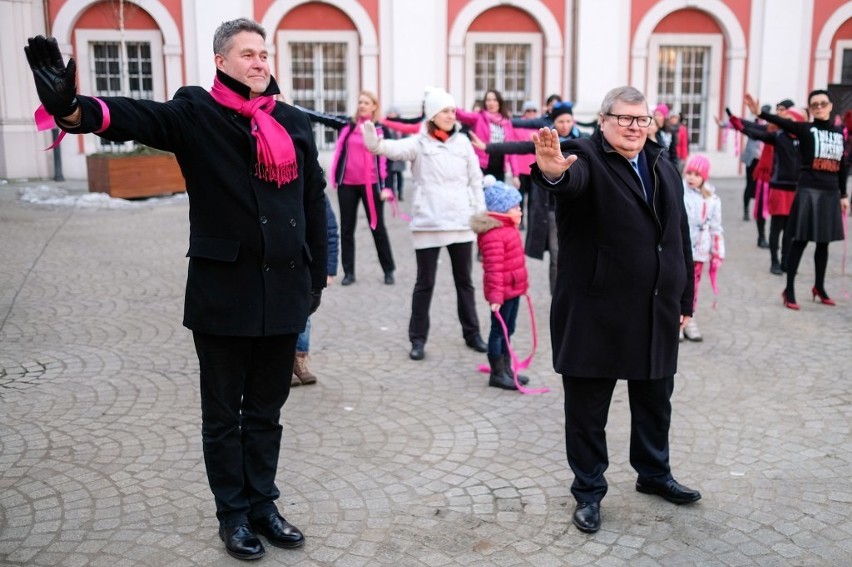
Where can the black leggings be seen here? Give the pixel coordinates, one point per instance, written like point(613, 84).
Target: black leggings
point(777, 226)
point(820, 265)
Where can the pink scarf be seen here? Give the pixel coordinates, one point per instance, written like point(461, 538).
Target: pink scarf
point(276, 155)
point(494, 117)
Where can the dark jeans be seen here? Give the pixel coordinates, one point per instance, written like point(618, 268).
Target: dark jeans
point(496, 341)
point(587, 403)
point(348, 196)
point(244, 384)
point(461, 258)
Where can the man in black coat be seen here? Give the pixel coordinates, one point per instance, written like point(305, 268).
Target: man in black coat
point(623, 291)
point(257, 253)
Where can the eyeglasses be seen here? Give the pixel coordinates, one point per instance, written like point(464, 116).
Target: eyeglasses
point(626, 120)
point(819, 104)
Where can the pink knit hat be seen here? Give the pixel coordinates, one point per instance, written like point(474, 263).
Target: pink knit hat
point(662, 109)
point(700, 165)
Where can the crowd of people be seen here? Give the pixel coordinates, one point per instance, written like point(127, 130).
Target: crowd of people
point(628, 217)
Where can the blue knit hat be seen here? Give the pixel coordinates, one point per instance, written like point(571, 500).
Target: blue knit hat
point(500, 197)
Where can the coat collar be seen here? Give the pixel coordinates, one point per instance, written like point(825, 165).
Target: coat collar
point(244, 90)
point(621, 167)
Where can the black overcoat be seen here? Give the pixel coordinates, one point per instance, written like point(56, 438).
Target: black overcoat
point(255, 250)
point(624, 272)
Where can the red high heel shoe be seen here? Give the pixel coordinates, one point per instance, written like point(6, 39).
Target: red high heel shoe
point(788, 304)
point(822, 297)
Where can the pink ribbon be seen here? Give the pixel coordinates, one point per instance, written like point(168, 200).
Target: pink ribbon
point(45, 121)
point(519, 364)
point(725, 131)
point(394, 204)
point(761, 195)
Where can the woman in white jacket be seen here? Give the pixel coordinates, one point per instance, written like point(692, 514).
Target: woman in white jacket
point(447, 192)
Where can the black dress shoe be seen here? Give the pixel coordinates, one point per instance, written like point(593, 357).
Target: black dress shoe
point(761, 242)
point(776, 269)
point(278, 531)
point(417, 352)
point(241, 542)
point(389, 278)
point(671, 490)
point(587, 517)
point(476, 343)
point(348, 279)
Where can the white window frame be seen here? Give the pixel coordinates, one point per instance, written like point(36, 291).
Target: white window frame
point(533, 40)
point(714, 78)
point(839, 47)
point(84, 37)
point(284, 61)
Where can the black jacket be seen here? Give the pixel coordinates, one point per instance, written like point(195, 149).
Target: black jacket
point(255, 250)
point(785, 159)
point(625, 272)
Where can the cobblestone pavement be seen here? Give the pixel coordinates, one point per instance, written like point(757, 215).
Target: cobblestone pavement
point(387, 461)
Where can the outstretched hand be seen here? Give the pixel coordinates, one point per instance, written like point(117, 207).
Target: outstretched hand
point(55, 82)
point(476, 141)
point(371, 137)
point(752, 104)
point(548, 154)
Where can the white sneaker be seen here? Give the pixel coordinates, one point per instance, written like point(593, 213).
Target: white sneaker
point(691, 331)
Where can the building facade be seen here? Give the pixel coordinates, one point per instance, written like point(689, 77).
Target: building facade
point(697, 56)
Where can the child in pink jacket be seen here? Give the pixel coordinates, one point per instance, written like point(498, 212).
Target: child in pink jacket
point(505, 277)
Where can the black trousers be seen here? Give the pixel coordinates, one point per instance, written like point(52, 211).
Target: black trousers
point(587, 403)
point(461, 258)
point(244, 384)
point(348, 197)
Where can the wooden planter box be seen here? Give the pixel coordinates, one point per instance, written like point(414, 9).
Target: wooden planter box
point(134, 176)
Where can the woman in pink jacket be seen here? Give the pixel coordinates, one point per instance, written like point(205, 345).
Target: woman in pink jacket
point(358, 177)
point(492, 125)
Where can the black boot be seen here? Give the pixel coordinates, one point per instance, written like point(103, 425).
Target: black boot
point(498, 377)
point(507, 364)
point(745, 212)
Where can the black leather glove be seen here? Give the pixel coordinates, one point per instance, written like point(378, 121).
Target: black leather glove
point(316, 298)
point(55, 83)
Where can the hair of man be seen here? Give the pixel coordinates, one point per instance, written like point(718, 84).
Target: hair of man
point(227, 30)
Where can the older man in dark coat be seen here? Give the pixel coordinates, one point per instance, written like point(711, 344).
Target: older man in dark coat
point(623, 290)
point(257, 253)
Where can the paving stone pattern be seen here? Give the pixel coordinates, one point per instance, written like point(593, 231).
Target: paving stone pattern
point(387, 461)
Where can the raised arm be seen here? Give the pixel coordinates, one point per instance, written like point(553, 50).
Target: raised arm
point(336, 121)
point(402, 127)
point(798, 128)
point(397, 150)
point(532, 123)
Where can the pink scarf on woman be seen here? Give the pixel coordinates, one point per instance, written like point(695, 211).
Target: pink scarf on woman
point(494, 117)
point(276, 155)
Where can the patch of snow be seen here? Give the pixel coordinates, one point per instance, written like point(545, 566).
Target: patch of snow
point(54, 196)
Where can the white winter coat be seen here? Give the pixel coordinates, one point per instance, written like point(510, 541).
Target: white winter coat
point(447, 180)
point(705, 223)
